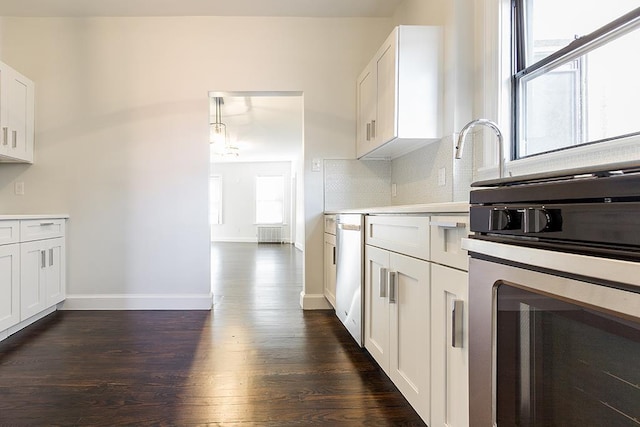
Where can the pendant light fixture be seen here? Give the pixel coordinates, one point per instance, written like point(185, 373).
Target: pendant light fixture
point(217, 129)
point(218, 133)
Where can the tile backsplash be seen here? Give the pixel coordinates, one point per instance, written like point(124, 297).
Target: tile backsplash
point(427, 175)
point(353, 184)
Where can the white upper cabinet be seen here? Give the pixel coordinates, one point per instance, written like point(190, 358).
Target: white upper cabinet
point(399, 94)
point(17, 116)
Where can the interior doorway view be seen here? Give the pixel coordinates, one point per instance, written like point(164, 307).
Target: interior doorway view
point(256, 147)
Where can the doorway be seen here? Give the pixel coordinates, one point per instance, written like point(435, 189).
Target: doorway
point(256, 142)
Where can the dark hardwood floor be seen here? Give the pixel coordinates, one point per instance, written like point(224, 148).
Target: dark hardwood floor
point(257, 359)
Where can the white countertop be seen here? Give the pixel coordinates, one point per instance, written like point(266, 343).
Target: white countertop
point(14, 217)
point(425, 208)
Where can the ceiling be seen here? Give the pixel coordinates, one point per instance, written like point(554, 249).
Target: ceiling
point(264, 127)
point(309, 8)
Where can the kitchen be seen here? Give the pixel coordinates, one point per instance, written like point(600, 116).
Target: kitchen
point(131, 93)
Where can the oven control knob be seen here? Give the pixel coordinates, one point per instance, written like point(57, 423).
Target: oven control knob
point(500, 219)
point(535, 220)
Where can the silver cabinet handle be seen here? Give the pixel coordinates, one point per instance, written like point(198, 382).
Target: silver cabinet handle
point(5, 136)
point(373, 129)
point(382, 283)
point(349, 227)
point(334, 255)
point(43, 259)
point(447, 224)
point(456, 323)
point(50, 257)
point(369, 131)
point(14, 136)
point(44, 224)
point(393, 275)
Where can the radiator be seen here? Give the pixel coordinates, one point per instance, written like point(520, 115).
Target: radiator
point(270, 234)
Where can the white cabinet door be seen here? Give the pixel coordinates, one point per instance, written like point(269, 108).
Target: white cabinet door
point(55, 291)
point(33, 269)
point(9, 285)
point(449, 364)
point(409, 291)
point(17, 115)
point(42, 268)
point(386, 90)
point(366, 111)
point(330, 268)
point(376, 309)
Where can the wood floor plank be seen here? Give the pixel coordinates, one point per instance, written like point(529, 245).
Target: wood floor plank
point(256, 360)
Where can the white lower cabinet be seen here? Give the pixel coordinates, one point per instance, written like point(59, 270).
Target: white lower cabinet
point(42, 283)
point(397, 322)
point(32, 271)
point(449, 350)
point(9, 285)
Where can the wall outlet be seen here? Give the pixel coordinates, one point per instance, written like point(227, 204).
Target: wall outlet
point(316, 165)
point(18, 188)
point(442, 177)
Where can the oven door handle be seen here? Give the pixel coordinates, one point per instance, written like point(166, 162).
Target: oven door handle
point(457, 320)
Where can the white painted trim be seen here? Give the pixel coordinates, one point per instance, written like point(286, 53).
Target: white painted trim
point(247, 240)
point(138, 302)
point(314, 302)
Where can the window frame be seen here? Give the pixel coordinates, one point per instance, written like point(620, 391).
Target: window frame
point(281, 200)
point(521, 73)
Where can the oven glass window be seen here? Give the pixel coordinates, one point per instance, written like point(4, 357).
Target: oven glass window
point(560, 364)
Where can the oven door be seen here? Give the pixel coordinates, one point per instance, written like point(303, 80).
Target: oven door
point(553, 350)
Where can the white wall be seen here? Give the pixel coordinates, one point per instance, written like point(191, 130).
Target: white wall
point(238, 199)
point(121, 136)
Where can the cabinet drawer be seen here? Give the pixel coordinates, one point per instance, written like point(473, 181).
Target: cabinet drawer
point(330, 224)
point(41, 229)
point(446, 234)
point(408, 235)
point(9, 232)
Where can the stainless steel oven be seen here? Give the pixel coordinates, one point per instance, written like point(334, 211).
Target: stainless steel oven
point(554, 302)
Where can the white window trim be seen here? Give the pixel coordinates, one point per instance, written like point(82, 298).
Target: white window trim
point(496, 93)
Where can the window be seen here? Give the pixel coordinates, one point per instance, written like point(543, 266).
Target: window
point(215, 200)
point(576, 71)
point(270, 199)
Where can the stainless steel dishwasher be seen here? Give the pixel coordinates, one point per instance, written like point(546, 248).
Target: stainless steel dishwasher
point(349, 273)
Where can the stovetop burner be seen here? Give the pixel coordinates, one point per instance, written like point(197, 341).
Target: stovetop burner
point(613, 184)
point(598, 171)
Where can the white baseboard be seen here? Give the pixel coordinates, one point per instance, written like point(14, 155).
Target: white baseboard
point(314, 302)
point(138, 302)
point(235, 239)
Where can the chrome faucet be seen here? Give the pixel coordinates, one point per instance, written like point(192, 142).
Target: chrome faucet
point(496, 129)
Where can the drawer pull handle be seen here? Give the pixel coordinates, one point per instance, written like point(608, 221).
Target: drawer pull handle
point(392, 286)
point(334, 255)
point(456, 323)
point(44, 224)
point(50, 257)
point(14, 135)
point(447, 224)
point(373, 129)
point(5, 136)
point(43, 259)
point(382, 283)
